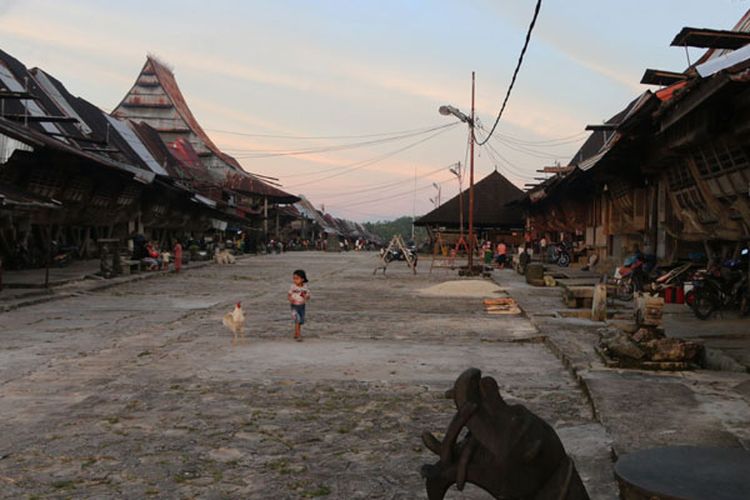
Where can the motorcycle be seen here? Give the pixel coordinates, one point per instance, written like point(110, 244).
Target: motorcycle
point(628, 278)
point(720, 287)
point(62, 255)
point(397, 254)
point(560, 254)
point(635, 276)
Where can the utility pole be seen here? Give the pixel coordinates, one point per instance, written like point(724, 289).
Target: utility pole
point(459, 175)
point(414, 204)
point(471, 181)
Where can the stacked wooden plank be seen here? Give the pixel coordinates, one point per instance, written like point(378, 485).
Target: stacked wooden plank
point(501, 305)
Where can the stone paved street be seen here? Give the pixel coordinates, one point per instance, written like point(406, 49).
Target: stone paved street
point(137, 390)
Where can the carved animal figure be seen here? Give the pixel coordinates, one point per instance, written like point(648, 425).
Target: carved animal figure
point(508, 451)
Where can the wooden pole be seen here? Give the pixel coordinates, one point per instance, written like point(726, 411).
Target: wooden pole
point(49, 257)
point(461, 199)
point(471, 181)
point(265, 219)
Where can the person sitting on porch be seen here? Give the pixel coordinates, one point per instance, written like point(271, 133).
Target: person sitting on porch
point(152, 259)
point(502, 254)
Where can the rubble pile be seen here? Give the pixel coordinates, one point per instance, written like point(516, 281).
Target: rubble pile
point(648, 348)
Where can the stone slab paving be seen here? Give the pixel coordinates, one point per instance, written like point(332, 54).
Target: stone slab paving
point(643, 409)
point(137, 391)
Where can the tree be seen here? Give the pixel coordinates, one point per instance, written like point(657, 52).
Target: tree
point(402, 226)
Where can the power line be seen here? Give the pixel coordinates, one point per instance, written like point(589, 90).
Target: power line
point(495, 154)
point(551, 143)
point(259, 153)
point(497, 158)
point(530, 152)
point(340, 167)
point(365, 163)
point(380, 187)
point(391, 197)
point(515, 72)
point(321, 137)
point(521, 149)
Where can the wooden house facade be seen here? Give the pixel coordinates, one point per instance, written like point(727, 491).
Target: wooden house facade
point(497, 216)
point(156, 100)
point(670, 173)
point(73, 174)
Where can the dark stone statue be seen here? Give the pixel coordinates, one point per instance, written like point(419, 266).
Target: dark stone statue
point(506, 450)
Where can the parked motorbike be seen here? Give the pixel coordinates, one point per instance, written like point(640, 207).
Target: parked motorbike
point(397, 254)
point(633, 276)
point(62, 255)
point(560, 254)
point(720, 287)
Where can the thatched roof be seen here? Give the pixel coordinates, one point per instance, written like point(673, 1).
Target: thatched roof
point(491, 210)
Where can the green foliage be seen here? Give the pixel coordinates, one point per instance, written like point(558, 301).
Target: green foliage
point(402, 226)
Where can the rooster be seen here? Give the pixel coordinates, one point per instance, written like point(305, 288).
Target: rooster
point(235, 321)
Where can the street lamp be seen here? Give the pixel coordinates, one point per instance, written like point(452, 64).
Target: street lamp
point(448, 110)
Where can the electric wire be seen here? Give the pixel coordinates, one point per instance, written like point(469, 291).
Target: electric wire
point(551, 143)
point(261, 153)
point(323, 137)
point(379, 187)
point(336, 168)
point(544, 155)
point(530, 152)
point(515, 72)
point(390, 197)
point(365, 163)
point(509, 166)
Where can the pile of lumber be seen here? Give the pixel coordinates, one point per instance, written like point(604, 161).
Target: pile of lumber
point(501, 305)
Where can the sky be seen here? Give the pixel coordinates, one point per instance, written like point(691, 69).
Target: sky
point(318, 75)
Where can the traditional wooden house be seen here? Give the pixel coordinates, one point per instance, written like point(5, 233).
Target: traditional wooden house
point(106, 177)
point(156, 100)
point(496, 215)
point(672, 173)
point(52, 151)
point(602, 209)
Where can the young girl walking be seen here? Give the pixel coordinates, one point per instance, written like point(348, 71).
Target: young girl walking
point(298, 296)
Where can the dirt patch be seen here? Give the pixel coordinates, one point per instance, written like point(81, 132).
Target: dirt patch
point(461, 288)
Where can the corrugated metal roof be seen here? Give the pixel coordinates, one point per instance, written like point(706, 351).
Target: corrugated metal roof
point(35, 138)
point(245, 183)
point(716, 64)
point(165, 78)
point(137, 146)
point(179, 158)
point(10, 82)
point(44, 80)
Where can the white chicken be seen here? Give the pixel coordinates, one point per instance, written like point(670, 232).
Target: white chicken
point(235, 321)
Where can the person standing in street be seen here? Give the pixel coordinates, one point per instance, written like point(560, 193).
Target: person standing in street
point(298, 296)
point(502, 254)
point(177, 256)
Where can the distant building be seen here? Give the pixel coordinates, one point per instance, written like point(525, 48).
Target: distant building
point(496, 216)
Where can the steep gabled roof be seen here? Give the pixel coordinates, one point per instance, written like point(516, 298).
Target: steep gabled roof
point(166, 80)
point(244, 183)
point(491, 210)
point(179, 158)
point(156, 99)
